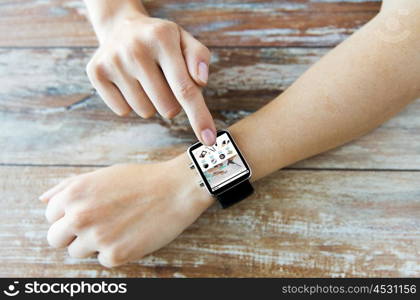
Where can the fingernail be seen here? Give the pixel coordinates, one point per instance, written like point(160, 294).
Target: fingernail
point(203, 72)
point(208, 136)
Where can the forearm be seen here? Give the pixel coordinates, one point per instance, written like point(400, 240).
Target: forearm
point(104, 13)
point(353, 89)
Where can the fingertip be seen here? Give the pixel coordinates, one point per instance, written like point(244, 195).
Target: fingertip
point(42, 199)
point(123, 112)
point(208, 137)
point(46, 195)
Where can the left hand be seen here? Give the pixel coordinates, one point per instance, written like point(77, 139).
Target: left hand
point(124, 212)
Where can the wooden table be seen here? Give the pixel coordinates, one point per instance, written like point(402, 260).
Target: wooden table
point(354, 211)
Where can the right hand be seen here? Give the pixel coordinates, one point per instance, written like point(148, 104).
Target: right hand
point(147, 65)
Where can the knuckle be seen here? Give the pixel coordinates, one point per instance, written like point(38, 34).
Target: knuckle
point(163, 30)
point(187, 89)
point(114, 60)
point(97, 70)
point(78, 220)
point(134, 49)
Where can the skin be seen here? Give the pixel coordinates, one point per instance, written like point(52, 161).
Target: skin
point(147, 64)
point(125, 212)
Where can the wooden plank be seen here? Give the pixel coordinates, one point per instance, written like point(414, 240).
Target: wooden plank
point(43, 121)
point(240, 79)
point(215, 23)
point(68, 138)
point(299, 223)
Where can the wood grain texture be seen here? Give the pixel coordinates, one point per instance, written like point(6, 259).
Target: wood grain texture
point(47, 106)
point(68, 138)
point(299, 223)
point(240, 79)
point(215, 23)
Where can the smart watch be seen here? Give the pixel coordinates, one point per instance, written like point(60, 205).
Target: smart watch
point(223, 169)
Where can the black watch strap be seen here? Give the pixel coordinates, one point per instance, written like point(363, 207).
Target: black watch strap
point(235, 194)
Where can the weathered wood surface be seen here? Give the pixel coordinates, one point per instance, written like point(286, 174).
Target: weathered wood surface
point(69, 138)
point(215, 23)
point(43, 111)
point(363, 224)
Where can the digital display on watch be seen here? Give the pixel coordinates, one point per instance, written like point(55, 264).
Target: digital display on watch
point(222, 165)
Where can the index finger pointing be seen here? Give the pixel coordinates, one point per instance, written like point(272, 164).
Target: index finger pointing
point(188, 95)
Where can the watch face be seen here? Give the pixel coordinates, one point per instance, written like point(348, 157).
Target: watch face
point(221, 166)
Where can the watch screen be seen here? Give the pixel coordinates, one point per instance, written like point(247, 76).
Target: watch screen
point(220, 164)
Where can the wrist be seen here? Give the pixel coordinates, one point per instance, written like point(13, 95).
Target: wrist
point(196, 197)
point(106, 22)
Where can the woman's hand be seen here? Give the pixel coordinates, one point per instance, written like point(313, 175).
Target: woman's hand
point(124, 212)
point(147, 64)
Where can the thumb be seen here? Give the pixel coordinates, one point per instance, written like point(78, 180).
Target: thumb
point(197, 57)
